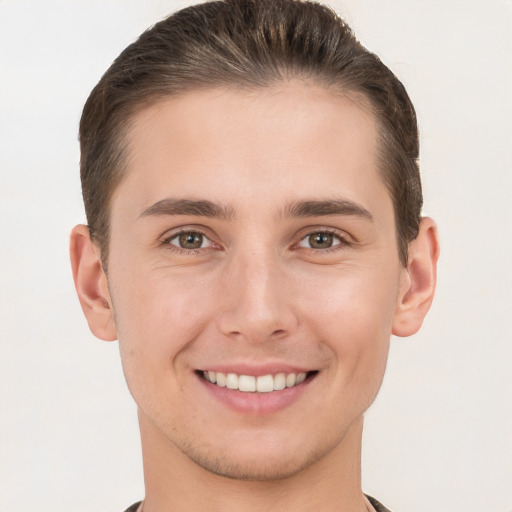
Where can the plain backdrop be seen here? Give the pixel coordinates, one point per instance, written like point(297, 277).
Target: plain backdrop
point(438, 437)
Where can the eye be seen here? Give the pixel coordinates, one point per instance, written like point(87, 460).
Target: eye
point(320, 240)
point(189, 240)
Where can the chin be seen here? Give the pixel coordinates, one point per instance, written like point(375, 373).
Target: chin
point(256, 460)
point(252, 469)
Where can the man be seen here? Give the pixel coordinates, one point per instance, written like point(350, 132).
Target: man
point(254, 238)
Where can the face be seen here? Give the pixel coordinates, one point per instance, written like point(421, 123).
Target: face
point(254, 275)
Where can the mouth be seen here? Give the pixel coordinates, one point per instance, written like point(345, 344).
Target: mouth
point(256, 384)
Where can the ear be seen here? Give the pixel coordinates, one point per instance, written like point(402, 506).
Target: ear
point(91, 284)
point(418, 280)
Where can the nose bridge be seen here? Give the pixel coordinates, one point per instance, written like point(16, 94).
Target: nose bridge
point(257, 305)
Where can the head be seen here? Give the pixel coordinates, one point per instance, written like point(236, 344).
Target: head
point(250, 179)
point(246, 45)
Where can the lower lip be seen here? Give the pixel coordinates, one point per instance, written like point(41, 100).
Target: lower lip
point(257, 403)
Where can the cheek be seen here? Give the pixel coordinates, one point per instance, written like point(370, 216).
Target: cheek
point(160, 306)
point(351, 313)
point(353, 302)
point(156, 318)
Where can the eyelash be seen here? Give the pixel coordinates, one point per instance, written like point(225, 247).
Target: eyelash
point(180, 250)
point(343, 242)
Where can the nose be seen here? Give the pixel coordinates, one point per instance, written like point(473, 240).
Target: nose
point(257, 304)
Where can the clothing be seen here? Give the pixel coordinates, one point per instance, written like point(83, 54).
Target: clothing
point(134, 507)
point(379, 507)
point(375, 504)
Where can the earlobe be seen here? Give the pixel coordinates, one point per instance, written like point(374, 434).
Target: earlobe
point(91, 284)
point(419, 280)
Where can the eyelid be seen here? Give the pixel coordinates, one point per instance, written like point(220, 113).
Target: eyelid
point(178, 235)
point(170, 234)
point(344, 238)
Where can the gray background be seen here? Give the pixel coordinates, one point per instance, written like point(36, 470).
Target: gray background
point(439, 436)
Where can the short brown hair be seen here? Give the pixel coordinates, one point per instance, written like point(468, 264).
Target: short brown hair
point(245, 43)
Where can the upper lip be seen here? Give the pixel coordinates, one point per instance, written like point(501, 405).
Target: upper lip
point(256, 370)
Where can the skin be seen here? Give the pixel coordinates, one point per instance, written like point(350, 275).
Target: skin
point(255, 293)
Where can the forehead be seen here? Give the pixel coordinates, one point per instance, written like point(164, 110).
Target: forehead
point(242, 146)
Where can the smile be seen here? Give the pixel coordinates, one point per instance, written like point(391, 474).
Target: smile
point(252, 384)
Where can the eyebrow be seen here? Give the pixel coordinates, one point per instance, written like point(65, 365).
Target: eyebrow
point(326, 207)
point(201, 208)
point(205, 208)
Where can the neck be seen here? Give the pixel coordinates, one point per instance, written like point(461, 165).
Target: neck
point(174, 482)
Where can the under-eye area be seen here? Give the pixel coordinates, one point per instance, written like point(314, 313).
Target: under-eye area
point(256, 384)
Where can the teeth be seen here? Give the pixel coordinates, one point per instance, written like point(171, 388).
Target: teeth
point(246, 383)
point(220, 379)
point(290, 380)
point(265, 384)
point(249, 383)
point(232, 381)
point(279, 381)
